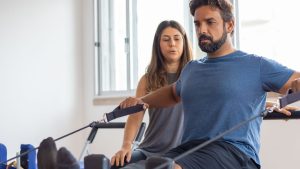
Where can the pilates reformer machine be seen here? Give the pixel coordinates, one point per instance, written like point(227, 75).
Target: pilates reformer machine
point(99, 161)
point(27, 157)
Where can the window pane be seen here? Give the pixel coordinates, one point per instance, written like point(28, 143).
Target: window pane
point(118, 45)
point(113, 63)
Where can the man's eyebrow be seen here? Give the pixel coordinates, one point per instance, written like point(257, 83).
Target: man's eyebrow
point(210, 19)
point(206, 19)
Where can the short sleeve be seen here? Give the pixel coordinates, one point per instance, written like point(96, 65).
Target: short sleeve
point(273, 74)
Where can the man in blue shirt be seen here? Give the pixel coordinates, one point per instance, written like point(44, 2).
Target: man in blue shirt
point(226, 87)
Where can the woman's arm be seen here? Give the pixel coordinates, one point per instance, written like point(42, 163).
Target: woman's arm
point(131, 128)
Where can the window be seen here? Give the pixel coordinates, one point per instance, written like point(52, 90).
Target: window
point(270, 29)
point(124, 31)
point(114, 58)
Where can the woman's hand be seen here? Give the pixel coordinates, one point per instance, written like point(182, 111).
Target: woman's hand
point(119, 158)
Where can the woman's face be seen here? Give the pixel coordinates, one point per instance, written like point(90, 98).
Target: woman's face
point(171, 45)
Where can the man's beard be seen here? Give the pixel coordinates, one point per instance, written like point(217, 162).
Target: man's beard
point(214, 45)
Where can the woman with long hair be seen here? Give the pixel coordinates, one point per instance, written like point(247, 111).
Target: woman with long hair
point(171, 50)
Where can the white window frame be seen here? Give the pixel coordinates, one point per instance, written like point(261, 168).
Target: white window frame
point(102, 22)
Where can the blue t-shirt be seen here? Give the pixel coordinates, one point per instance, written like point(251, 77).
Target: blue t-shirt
point(219, 93)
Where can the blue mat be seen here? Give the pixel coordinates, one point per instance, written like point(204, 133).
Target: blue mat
point(30, 158)
point(3, 155)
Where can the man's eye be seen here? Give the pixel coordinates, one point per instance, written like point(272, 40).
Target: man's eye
point(211, 22)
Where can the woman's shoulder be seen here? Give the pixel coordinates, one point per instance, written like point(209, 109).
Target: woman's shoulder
point(143, 79)
point(142, 86)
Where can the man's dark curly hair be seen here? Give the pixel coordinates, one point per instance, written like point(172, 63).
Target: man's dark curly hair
point(225, 7)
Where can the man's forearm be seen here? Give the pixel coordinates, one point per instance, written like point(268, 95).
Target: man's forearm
point(162, 97)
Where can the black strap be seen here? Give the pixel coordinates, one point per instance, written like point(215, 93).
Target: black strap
point(112, 125)
point(118, 112)
point(288, 99)
point(280, 116)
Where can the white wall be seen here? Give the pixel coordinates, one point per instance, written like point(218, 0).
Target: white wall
point(41, 87)
point(47, 83)
point(280, 147)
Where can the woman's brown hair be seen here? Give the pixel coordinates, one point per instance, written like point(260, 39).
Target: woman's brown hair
point(156, 73)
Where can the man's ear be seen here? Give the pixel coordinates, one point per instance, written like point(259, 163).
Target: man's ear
point(230, 26)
